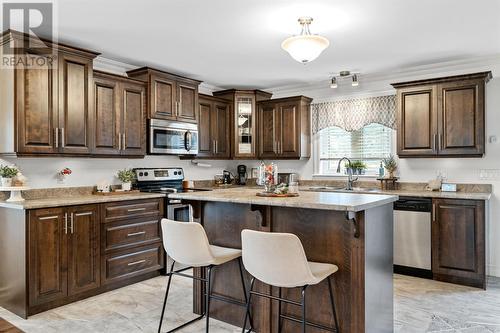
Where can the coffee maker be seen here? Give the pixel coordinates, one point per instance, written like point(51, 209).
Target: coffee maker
point(242, 174)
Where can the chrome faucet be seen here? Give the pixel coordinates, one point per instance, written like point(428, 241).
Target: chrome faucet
point(350, 178)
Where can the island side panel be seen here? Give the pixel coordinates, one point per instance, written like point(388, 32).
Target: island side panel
point(379, 306)
point(327, 237)
point(13, 287)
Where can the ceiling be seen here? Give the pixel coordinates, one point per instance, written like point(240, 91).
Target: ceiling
point(235, 43)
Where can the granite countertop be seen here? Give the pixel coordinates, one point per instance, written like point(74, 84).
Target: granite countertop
point(405, 193)
point(313, 200)
point(76, 200)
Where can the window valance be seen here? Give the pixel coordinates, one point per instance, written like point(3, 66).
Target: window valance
point(353, 114)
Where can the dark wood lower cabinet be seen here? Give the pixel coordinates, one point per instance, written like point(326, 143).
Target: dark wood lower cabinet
point(74, 252)
point(458, 242)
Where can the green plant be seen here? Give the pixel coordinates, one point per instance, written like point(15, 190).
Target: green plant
point(126, 175)
point(357, 165)
point(8, 171)
point(390, 163)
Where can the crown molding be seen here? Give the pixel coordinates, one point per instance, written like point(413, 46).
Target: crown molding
point(120, 68)
point(380, 83)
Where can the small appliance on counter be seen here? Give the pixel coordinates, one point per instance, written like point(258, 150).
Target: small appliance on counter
point(242, 175)
point(226, 177)
point(288, 178)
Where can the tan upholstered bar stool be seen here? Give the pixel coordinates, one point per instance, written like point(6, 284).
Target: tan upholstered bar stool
point(187, 244)
point(279, 260)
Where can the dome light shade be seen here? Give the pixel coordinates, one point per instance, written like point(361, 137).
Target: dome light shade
point(305, 47)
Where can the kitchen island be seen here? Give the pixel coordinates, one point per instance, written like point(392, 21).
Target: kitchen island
point(352, 231)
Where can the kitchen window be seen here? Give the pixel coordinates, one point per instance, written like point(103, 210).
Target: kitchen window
point(369, 144)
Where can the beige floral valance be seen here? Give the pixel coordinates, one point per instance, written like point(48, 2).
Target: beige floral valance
point(353, 114)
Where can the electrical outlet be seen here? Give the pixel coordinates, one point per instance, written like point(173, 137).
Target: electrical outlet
point(489, 174)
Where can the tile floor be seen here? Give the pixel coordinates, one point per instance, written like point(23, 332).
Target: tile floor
point(420, 306)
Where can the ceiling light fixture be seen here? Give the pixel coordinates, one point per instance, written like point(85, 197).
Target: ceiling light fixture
point(344, 75)
point(333, 83)
point(305, 47)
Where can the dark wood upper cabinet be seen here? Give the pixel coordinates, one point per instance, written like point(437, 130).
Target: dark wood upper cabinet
point(442, 117)
point(214, 116)
point(170, 97)
point(244, 120)
point(120, 120)
point(284, 128)
point(50, 105)
point(83, 249)
point(458, 241)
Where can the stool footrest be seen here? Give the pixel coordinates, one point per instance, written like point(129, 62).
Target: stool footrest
point(275, 298)
point(308, 323)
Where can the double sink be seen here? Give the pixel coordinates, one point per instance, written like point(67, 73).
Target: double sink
point(343, 189)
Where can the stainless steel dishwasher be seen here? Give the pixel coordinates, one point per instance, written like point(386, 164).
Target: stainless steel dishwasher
point(412, 236)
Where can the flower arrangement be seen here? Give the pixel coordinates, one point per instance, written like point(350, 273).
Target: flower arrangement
point(270, 177)
point(390, 164)
point(65, 172)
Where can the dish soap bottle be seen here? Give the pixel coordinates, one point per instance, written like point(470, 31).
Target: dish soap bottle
point(381, 171)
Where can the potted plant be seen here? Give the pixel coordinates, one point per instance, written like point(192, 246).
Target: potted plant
point(358, 167)
point(390, 165)
point(126, 176)
point(7, 173)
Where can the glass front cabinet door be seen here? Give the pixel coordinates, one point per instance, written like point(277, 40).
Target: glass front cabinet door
point(244, 123)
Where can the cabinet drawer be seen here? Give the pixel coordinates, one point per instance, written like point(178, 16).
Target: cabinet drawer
point(138, 233)
point(131, 209)
point(128, 264)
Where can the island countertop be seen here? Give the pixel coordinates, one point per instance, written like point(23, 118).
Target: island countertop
point(352, 202)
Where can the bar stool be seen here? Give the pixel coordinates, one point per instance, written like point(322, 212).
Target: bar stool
point(187, 244)
point(279, 260)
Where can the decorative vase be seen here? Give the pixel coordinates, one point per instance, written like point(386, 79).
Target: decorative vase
point(127, 186)
point(6, 182)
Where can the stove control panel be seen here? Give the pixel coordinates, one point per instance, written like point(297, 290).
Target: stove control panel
point(158, 174)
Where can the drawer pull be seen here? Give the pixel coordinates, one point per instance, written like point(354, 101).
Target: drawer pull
point(136, 233)
point(48, 218)
point(84, 214)
point(136, 210)
point(136, 262)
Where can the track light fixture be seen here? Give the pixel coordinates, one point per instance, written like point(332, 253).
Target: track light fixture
point(343, 75)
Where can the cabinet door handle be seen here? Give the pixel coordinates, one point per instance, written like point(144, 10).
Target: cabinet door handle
point(440, 141)
point(136, 262)
point(216, 146)
point(84, 214)
point(48, 218)
point(119, 141)
point(72, 223)
point(279, 147)
point(433, 212)
point(124, 142)
point(63, 141)
point(56, 130)
point(131, 210)
point(136, 233)
point(66, 223)
point(435, 142)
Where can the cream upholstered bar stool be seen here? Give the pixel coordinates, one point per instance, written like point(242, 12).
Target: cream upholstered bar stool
point(279, 260)
point(187, 244)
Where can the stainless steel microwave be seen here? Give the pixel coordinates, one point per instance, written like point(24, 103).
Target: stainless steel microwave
point(172, 138)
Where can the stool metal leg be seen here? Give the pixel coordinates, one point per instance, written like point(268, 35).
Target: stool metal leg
point(280, 320)
point(247, 312)
point(240, 265)
point(332, 300)
point(304, 309)
point(166, 295)
point(207, 297)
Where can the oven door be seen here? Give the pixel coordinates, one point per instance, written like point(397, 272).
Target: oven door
point(175, 139)
point(179, 212)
